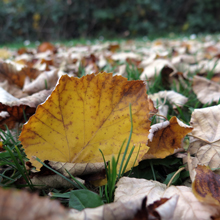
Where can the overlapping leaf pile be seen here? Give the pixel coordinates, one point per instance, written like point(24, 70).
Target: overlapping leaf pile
point(83, 115)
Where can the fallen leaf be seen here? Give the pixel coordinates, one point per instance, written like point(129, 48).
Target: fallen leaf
point(166, 138)
point(117, 210)
point(22, 205)
point(77, 169)
point(14, 76)
point(122, 56)
point(124, 210)
point(191, 163)
point(52, 181)
point(113, 47)
point(155, 68)
point(19, 109)
point(13, 89)
point(121, 71)
point(83, 115)
point(205, 66)
point(46, 80)
point(187, 207)
point(206, 90)
point(149, 212)
point(5, 54)
point(206, 186)
point(45, 46)
point(22, 50)
point(205, 139)
point(184, 58)
point(173, 97)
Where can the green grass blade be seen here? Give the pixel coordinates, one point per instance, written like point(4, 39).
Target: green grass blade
point(7, 177)
point(10, 136)
point(79, 183)
point(152, 168)
point(134, 161)
point(119, 153)
point(24, 114)
point(106, 193)
point(106, 169)
point(73, 183)
point(19, 167)
point(22, 161)
point(127, 161)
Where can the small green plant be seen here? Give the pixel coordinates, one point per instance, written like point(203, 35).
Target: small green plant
point(113, 175)
point(132, 72)
point(13, 161)
point(81, 70)
point(75, 183)
point(156, 85)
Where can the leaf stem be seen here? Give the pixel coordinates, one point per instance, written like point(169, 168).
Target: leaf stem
point(178, 171)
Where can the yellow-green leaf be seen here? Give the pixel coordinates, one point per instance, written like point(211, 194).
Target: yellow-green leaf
point(84, 115)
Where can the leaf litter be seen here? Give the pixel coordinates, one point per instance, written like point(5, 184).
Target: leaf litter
point(31, 71)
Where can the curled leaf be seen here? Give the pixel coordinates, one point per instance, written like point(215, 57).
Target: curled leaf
point(206, 90)
point(166, 138)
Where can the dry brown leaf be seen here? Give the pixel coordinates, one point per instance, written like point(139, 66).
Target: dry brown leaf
point(166, 138)
point(45, 46)
point(46, 80)
point(205, 142)
point(124, 210)
point(13, 89)
point(148, 60)
point(16, 108)
point(205, 66)
point(116, 210)
point(122, 56)
point(206, 90)
point(184, 58)
point(77, 169)
point(113, 47)
point(52, 181)
point(145, 214)
point(176, 99)
point(188, 207)
point(129, 195)
point(206, 186)
point(121, 71)
point(14, 76)
point(150, 212)
point(102, 62)
point(155, 68)
point(192, 163)
point(21, 205)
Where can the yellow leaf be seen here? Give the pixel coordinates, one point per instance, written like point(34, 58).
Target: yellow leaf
point(84, 115)
point(206, 186)
point(166, 138)
point(5, 54)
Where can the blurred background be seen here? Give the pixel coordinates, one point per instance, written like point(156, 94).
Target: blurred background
point(67, 19)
